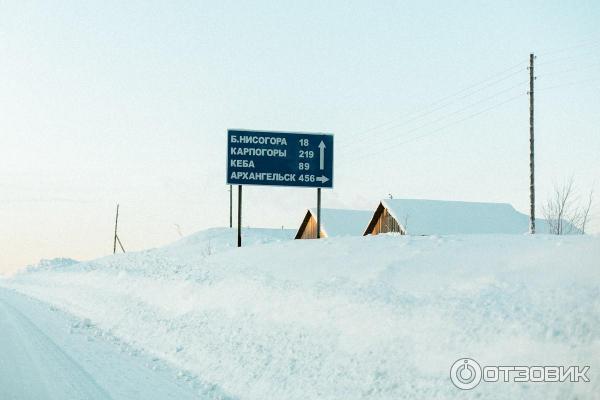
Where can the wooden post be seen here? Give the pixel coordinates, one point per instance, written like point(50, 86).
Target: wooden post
point(120, 244)
point(318, 213)
point(116, 224)
point(239, 233)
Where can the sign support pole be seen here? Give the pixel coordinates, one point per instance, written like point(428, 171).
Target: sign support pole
point(318, 213)
point(230, 206)
point(239, 233)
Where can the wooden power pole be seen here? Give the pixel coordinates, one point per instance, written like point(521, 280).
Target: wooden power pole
point(531, 150)
point(116, 238)
point(116, 225)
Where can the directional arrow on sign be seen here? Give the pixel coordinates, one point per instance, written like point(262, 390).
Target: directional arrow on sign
point(322, 159)
point(322, 179)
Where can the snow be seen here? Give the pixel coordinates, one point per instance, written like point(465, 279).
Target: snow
point(376, 317)
point(47, 354)
point(337, 222)
point(53, 263)
point(427, 217)
point(219, 239)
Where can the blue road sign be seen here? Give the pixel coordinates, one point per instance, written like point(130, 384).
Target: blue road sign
point(279, 159)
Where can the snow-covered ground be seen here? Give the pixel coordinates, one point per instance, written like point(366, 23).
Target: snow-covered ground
point(46, 354)
point(379, 317)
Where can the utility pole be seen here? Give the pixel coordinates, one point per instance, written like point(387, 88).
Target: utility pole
point(230, 207)
point(239, 230)
point(116, 224)
point(318, 213)
point(116, 238)
point(531, 150)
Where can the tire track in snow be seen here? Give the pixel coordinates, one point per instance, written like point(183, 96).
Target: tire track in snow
point(32, 366)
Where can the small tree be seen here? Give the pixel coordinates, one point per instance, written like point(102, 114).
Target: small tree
point(563, 213)
point(586, 212)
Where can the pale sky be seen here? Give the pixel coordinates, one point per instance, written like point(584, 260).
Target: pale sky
point(130, 101)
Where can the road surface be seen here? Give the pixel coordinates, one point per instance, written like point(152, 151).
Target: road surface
point(46, 354)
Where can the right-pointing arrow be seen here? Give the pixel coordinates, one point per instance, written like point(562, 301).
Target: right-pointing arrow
point(322, 179)
point(322, 155)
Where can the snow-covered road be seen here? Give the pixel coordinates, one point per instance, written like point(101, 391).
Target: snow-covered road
point(46, 354)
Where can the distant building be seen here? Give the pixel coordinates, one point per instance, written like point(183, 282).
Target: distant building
point(334, 222)
point(437, 217)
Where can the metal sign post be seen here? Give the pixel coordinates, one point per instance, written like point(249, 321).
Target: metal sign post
point(319, 213)
point(295, 159)
point(239, 232)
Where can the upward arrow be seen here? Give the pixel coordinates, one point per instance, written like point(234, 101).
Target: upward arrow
point(322, 155)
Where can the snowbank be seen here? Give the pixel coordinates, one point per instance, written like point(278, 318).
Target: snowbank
point(379, 317)
point(53, 263)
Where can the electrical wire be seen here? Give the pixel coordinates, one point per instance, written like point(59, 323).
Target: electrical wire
point(361, 134)
point(444, 102)
point(445, 98)
point(579, 68)
point(567, 58)
point(421, 115)
point(568, 84)
point(433, 132)
point(460, 110)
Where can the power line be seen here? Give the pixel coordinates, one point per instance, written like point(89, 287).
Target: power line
point(581, 45)
point(577, 69)
point(570, 84)
point(485, 99)
point(424, 114)
point(395, 145)
point(478, 102)
point(443, 102)
point(445, 98)
point(567, 58)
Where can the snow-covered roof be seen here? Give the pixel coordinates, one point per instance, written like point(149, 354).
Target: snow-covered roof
point(343, 222)
point(429, 217)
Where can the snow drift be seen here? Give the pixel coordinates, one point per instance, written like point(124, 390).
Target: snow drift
point(380, 317)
